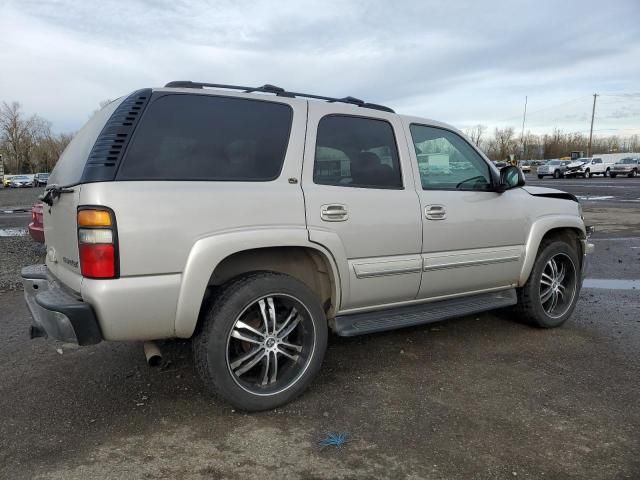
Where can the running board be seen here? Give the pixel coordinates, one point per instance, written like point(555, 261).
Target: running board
point(353, 324)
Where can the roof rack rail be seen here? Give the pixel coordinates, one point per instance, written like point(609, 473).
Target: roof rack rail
point(281, 92)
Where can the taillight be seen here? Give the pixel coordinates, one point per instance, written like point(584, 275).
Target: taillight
point(97, 242)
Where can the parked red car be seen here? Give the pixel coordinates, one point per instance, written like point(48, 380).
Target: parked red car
point(36, 227)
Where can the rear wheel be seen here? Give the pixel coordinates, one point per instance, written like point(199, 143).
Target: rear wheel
point(262, 341)
point(540, 177)
point(613, 175)
point(549, 297)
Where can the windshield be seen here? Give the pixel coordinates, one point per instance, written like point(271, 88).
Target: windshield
point(554, 162)
point(20, 177)
point(627, 160)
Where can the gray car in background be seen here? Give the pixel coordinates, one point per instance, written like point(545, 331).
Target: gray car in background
point(553, 168)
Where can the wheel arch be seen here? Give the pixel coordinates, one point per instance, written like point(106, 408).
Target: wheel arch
point(216, 259)
point(568, 228)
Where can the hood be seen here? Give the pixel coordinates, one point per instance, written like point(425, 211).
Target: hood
point(549, 192)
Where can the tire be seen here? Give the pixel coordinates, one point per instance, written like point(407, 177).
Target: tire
point(607, 172)
point(556, 174)
point(587, 174)
point(540, 177)
point(613, 175)
point(532, 305)
point(634, 173)
point(220, 356)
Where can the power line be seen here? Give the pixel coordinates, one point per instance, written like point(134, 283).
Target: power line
point(547, 108)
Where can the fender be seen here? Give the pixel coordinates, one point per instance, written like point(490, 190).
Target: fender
point(538, 230)
point(208, 252)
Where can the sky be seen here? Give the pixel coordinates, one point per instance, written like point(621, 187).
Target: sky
point(461, 62)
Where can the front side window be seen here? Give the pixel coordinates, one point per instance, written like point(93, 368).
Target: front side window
point(205, 137)
point(447, 162)
point(356, 152)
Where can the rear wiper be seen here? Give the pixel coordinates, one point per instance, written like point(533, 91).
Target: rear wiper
point(52, 192)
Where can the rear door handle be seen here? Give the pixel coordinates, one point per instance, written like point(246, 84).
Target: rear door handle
point(435, 212)
point(334, 212)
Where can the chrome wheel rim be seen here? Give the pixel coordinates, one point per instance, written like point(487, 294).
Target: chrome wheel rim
point(558, 284)
point(270, 344)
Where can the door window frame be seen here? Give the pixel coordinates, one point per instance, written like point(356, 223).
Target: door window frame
point(364, 117)
point(493, 173)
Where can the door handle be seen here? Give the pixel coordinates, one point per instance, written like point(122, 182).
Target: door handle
point(435, 212)
point(334, 212)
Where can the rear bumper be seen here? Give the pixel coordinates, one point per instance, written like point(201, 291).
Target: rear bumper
point(57, 312)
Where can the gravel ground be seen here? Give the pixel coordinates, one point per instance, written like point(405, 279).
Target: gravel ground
point(16, 253)
point(479, 397)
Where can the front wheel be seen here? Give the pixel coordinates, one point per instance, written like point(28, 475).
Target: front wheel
point(613, 175)
point(556, 174)
point(262, 341)
point(587, 174)
point(633, 174)
point(540, 177)
point(549, 297)
point(607, 172)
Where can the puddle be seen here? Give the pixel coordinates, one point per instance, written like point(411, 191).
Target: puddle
point(611, 284)
point(580, 197)
point(13, 232)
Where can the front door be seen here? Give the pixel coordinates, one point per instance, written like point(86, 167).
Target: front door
point(361, 203)
point(473, 237)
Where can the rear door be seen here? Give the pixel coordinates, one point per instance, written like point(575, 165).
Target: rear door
point(60, 219)
point(361, 203)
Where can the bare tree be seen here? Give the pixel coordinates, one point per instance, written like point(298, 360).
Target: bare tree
point(27, 144)
point(475, 134)
point(15, 134)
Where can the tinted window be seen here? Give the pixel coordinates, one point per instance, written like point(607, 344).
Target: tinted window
point(202, 137)
point(356, 152)
point(447, 161)
point(70, 166)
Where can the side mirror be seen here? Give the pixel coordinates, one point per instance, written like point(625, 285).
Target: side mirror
point(510, 177)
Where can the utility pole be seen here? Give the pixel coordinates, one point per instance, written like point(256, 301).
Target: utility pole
point(593, 114)
point(524, 117)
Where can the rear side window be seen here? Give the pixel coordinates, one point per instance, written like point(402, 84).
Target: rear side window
point(356, 152)
point(68, 170)
point(202, 137)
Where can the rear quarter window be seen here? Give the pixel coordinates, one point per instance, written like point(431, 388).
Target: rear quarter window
point(205, 137)
point(70, 166)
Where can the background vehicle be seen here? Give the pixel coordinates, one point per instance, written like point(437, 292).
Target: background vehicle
point(627, 166)
point(525, 166)
point(594, 166)
point(172, 236)
point(6, 179)
point(41, 179)
point(21, 181)
point(553, 168)
point(36, 227)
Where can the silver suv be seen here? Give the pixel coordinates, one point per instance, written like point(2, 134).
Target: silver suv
point(254, 221)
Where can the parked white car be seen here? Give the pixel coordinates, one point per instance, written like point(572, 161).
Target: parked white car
point(594, 166)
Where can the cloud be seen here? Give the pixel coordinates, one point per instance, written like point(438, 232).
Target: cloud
point(462, 62)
